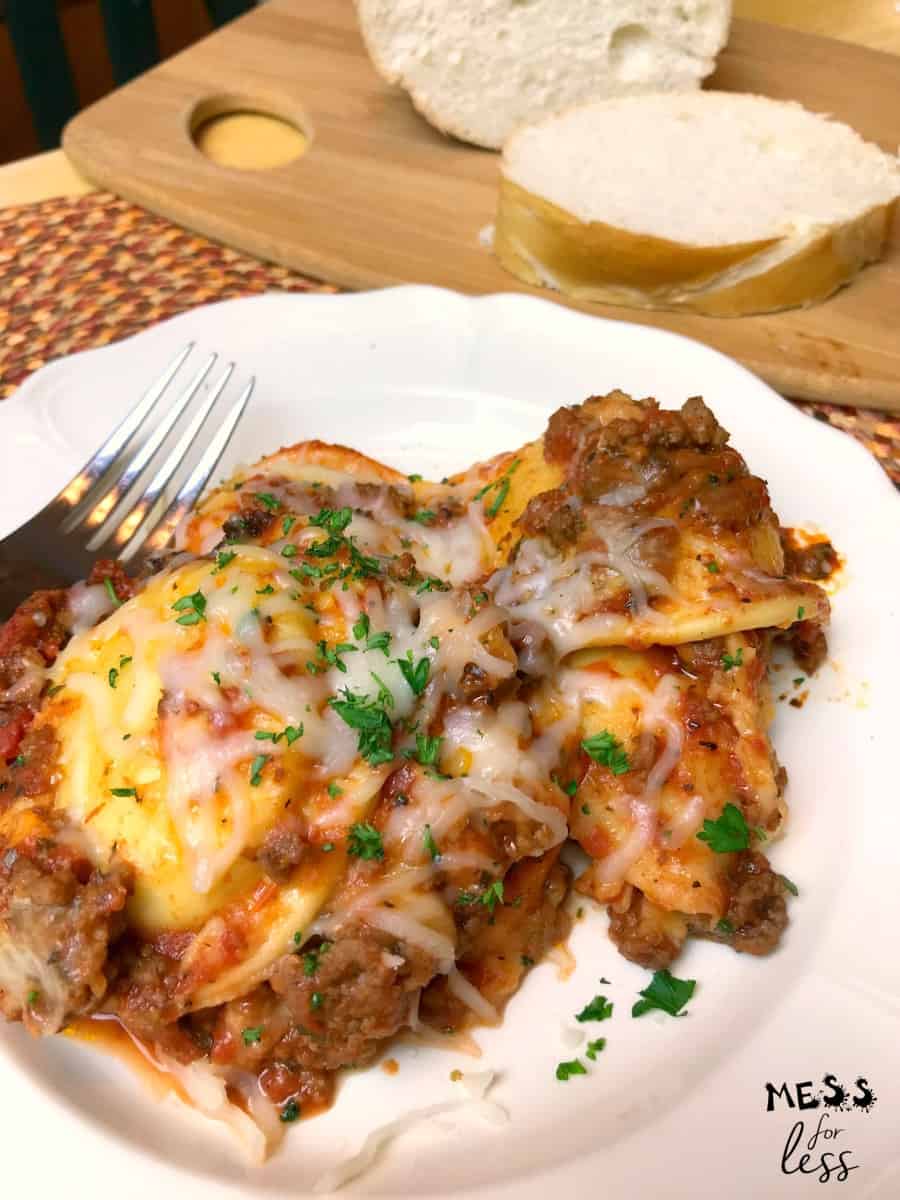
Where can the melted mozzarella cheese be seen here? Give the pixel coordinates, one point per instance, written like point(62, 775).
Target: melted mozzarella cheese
point(160, 762)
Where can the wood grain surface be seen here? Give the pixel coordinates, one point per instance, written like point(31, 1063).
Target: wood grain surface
point(380, 198)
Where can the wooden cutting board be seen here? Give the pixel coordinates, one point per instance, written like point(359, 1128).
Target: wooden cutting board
point(381, 198)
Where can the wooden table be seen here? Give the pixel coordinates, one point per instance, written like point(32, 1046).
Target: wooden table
point(249, 140)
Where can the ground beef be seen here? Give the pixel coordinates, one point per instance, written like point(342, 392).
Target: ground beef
point(497, 948)
point(402, 568)
point(644, 933)
point(555, 516)
point(808, 645)
point(60, 916)
point(757, 911)
point(338, 1013)
point(29, 643)
point(731, 505)
point(563, 435)
point(39, 623)
point(109, 568)
point(447, 510)
point(251, 522)
point(30, 772)
point(145, 995)
point(284, 847)
point(818, 561)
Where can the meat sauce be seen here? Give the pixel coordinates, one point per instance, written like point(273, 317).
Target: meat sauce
point(339, 1001)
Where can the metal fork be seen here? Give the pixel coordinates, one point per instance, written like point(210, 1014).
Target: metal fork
point(106, 511)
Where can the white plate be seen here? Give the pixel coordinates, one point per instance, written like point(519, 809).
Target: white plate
point(429, 381)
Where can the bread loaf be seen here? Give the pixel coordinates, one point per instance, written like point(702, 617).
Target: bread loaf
point(480, 68)
point(722, 203)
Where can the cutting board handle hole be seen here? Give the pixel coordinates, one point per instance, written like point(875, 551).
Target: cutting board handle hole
point(242, 132)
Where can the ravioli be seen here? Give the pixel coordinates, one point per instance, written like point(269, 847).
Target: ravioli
point(648, 530)
point(307, 783)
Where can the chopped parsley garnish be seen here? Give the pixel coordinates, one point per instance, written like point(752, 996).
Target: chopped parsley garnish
point(290, 734)
point(415, 674)
point(490, 897)
point(432, 584)
point(586, 809)
point(379, 641)
point(599, 1009)
point(502, 490)
point(268, 590)
point(665, 992)
point(290, 1112)
point(19, 761)
point(361, 627)
point(565, 1070)
point(729, 661)
point(724, 926)
point(223, 558)
point(385, 696)
point(298, 936)
point(311, 959)
point(430, 844)
point(594, 1048)
point(289, 551)
point(414, 478)
point(272, 503)
point(427, 749)
point(217, 678)
point(333, 520)
point(369, 719)
point(33, 996)
point(192, 609)
point(434, 642)
point(316, 999)
point(288, 524)
point(251, 1036)
point(332, 654)
point(334, 790)
point(526, 960)
point(364, 841)
point(728, 833)
point(800, 611)
point(790, 885)
point(122, 792)
point(713, 567)
point(424, 516)
point(111, 592)
point(55, 689)
point(569, 788)
point(327, 847)
point(113, 677)
point(604, 748)
point(256, 769)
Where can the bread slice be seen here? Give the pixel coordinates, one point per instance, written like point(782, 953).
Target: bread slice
point(722, 203)
point(480, 68)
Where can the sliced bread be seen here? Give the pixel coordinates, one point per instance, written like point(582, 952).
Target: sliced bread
point(480, 68)
point(722, 203)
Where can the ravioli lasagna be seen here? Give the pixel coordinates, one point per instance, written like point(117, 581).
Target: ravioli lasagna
point(306, 783)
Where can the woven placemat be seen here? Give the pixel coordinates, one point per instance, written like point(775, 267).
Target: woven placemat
point(78, 273)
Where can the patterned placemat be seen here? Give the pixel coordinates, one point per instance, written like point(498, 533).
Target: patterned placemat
point(78, 273)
